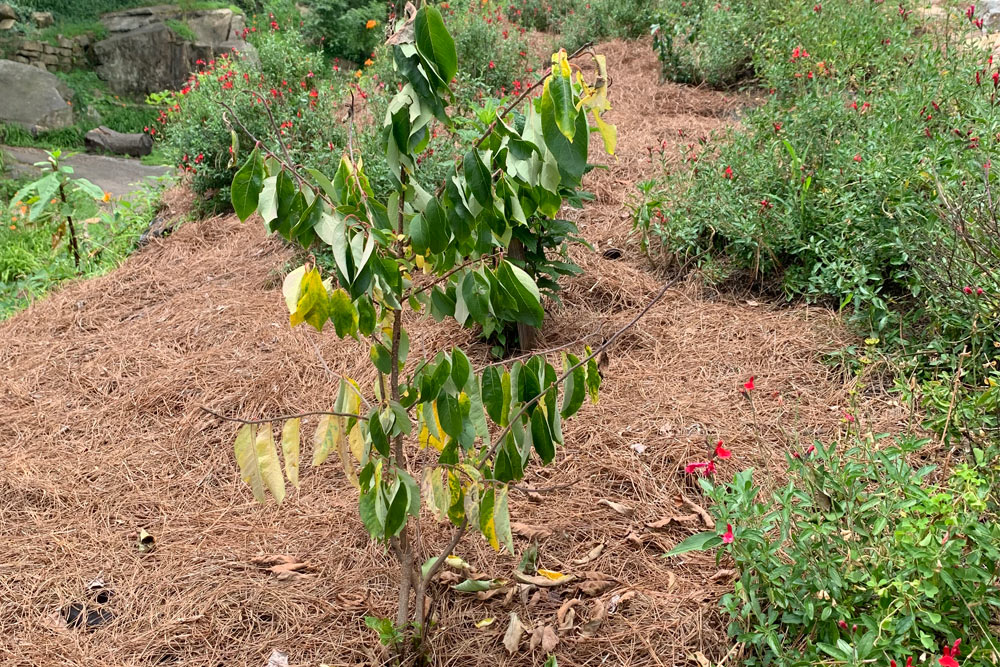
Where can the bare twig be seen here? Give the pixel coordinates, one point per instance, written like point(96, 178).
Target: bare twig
point(240, 420)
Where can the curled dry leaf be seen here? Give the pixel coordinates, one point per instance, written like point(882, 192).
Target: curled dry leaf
point(543, 581)
point(705, 517)
point(352, 600)
point(593, 588)
point(675, 520)
point(624, 510)
point(598, 614)
point(567, 613)
point(530, 532)
point(448, 577)
point(493, 592)
point(701, 659)
point(723, 574)
point(485, 623)
point(512, 637)
point(549, 639)
point(591, 555)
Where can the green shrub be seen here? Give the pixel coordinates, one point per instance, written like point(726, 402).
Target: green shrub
point(493, 53)
point(702, 41)
point(341, 27)
point(862, 558)
point(540, 15)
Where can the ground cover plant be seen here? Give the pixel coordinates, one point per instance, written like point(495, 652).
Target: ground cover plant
point(458, 234)
point(59, 227)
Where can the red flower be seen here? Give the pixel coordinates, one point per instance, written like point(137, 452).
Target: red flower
point(492, 65)
point(721, 451)
point(777, 128)
point(313, 93)
point(705, 467)
point(967, 289)
point(978, 23)
point(728, 173)
point(842, 623)
point(817, 8)
point(996, 79)
point(947, 659)
point(979, 291)
point(748, 385)
point(857, 157)
point(970, 12)
point(727, 538)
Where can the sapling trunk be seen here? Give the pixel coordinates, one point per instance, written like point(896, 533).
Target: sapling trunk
point(527, 335)
point(72, 230)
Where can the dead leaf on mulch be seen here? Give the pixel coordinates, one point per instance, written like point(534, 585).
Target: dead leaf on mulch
point(591, 555)
point(673, 520)
point(723, 574)
point(598, 614)
point(596, 583)
point(699, 510)
point(618, 600)
point(549, 639)
point(512, 637)
point(277, 659)
point(544, 582)
point(567, 614)
point(530, 532)
point(352, 600)
point(624, 510)
point(287, 568)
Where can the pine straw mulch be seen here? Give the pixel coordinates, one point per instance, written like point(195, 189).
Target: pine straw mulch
point(104, 437)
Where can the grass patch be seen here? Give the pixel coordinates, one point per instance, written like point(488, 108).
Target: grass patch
point(182, 30)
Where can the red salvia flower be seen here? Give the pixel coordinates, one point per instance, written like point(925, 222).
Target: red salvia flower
point(721, 451)
point(970, 12)
point(703, 467)
point(749, 385)
point(727, 537)
point(728, 173)
point(947, 659)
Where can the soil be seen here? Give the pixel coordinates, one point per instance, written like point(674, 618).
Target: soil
point(104, 437)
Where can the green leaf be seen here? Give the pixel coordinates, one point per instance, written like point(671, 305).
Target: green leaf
point(290, 287)
point(247, 185)
point(342, 313)
point(381, 357)
point(559, 91)
point(437, 226)
point(369, 516)
point(593, 378)
point(475, 289)
point(460, 368)
point(477, 175)
point(541, 437)
point(366, 316)
point(473, 586)
point(450, 414)
point(697, 542)
point(434, 42)
point(420, 234)
point(379, 439)
point(524, 291)
point(267, 205)
point(574, 387)
point(493, 394)
point(570, 156)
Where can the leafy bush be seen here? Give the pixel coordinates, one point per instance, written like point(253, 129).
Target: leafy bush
point(540, 15)
point(349, 29)
point(493, 52)
point(862, 558)
point(702, 41)
point(599, 20)
point(196, 129)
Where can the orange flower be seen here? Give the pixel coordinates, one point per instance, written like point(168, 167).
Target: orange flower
point(371, 24)
point(13, 228)
point(369, 62)
point(357, 74)
point(106, 197)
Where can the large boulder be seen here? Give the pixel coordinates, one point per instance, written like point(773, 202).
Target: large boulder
point(991, 14)
point(148, 59)
point(143, 55)
point(8, 17)
point(33, 98)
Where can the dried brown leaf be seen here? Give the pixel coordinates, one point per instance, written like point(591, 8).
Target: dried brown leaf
point(591, 555)
point(530, 532)
point(677, 520)
point(542, 581)
point(723, 574)
point(706, 518)
point(536, 638)
point(512, 637)
point(624, 510)
point(549, 639)
point(598, 614)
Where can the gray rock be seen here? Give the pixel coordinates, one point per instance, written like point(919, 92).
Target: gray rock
point(211, 27)
point(238, 48)
point(990, 13)
point(42, 19)
point(7, 24)
point(32, 98)
point(147, 60)
point(7, 12)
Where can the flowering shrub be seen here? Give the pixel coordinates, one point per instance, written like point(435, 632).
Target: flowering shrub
point(349, 29)
point(494, 50)
point(862, 558)
point(702, 41)
point(833, 188)
point(290, 83)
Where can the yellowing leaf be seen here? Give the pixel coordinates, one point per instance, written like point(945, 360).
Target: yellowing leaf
point(551, 574)
point(430, 430)
point(290, 288)
point(313, 304)
point(290, 450)
point(486, 622)
point(258, 461)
